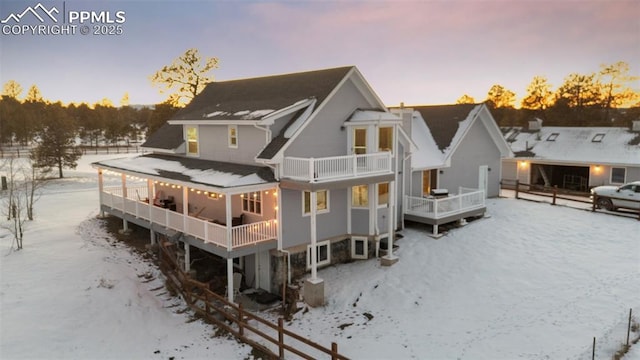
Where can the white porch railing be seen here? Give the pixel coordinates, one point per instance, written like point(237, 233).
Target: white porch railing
point(336, 167)
point(466, 200)
point(206, 231)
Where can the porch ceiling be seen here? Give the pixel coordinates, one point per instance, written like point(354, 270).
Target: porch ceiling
point(184, 170)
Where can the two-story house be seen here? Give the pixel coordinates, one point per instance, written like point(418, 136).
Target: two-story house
point(278, 175)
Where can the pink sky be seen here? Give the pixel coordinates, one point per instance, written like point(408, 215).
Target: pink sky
point(418, 52)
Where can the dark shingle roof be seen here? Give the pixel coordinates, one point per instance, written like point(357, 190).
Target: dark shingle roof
point(167, 137)
point(237, 99)
point(279, 140)
point(443, 120)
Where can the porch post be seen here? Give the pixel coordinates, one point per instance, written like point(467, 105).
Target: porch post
point(151, 190)
point(390, 259)
point(229, 219)
point(187, 257)
point(314, 263)
point(125, 224)
point(100, 190)
point(230, 279)
point(313, 286)
point(185, 208)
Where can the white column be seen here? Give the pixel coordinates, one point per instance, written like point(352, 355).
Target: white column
point(314, 249)
point(185, 208)
point(229, 219)
point(100, 190)
point(125, 225)
point(390, 216)
point(230, 279)
point(152, 235)
point(151, 191)
point(187, 257)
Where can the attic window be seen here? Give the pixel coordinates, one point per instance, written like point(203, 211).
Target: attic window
point(553, 137)
point(598, 138)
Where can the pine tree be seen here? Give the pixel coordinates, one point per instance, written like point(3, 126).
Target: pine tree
point(56, 147)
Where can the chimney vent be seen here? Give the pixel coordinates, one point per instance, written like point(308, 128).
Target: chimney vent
point(635, 125)
point(535, 125)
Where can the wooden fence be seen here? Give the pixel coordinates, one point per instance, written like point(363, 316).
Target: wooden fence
point(553, 193)
point(233, 318)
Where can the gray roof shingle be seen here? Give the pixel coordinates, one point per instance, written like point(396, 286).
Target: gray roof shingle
point(443, 120)
point(245, 99)
point(167, 137)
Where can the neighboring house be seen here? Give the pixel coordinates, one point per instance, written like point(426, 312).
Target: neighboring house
point(573, 158)
point(460, 149)
point(280, 175)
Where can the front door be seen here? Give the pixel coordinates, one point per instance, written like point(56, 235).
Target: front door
point(483, 178)
point(263, 270)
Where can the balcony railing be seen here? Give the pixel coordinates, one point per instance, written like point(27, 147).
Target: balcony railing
point(206, 231)
point(432, 208)
point(336, 167)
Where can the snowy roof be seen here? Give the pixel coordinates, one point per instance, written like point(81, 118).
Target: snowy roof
point(257, 98)
point(372, 115)
point(436, 130)
point(589, 145)
point(197, 171)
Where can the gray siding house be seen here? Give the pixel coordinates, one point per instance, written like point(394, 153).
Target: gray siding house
point(460, 149)
point(280, 175)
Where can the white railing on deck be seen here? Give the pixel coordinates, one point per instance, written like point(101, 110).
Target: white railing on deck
point(336, 167)
point(206, 231)
point(468, 199)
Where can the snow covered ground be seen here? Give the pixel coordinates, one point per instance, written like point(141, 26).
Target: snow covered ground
point(533, 281)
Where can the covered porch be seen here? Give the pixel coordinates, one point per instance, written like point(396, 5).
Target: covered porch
point(434, 210)
point(228, 210)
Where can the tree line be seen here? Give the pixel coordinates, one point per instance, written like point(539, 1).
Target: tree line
point(603, 98)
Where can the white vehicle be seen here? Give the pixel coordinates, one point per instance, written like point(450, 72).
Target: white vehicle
point(612, 197)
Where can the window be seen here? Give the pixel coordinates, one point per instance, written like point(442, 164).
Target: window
point(553, 137)
point(385, 139)
point(598, 137)
point(359, 141)
point(360, 196)
point(618, 175)
point(252, 203)
point(322, 201)
point(323, 255)
point(359, 247)
point(233, 136)
point(426, 182)
point(383, 194)
point(192, 140)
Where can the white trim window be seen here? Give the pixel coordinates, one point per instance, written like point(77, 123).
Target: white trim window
point(359, 247)
point(322, 202)
point(233, 136)
point(385, 139)
point(383, 194)
point(323, 254)
point(191, 135)
point(618, 175)
point(360, 196)
point(252, 202)
point(359, 140)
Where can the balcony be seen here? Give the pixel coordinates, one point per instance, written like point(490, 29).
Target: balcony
point(337, 167)
point(229, 237)
point(468, 202)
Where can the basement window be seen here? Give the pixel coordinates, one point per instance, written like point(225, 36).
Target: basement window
point(553, 137)
point(598, 138)
point(323, 254)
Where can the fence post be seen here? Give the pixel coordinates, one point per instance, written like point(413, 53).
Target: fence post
point(593, 351)
point(555, 193)
point(517, 188)
point(240, 320)
point(334, 351)
point(629, 327)
point(280, 338)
